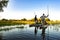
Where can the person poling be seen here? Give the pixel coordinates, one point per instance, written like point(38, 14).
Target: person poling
point(36, 21)
point(43, 21)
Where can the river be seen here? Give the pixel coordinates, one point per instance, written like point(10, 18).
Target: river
point(52, 32)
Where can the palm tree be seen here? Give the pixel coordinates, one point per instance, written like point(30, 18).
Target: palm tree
point(3, 3)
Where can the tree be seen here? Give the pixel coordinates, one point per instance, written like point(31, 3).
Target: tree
point(24, 19)
point(4, 19)
point(3, 3)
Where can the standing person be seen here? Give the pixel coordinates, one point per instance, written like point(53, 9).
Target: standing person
point(36, 19)
point(43, 22)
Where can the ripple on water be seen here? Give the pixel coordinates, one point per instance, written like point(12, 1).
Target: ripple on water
point(28, 33)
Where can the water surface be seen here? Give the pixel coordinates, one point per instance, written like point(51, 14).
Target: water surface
point(52, 32)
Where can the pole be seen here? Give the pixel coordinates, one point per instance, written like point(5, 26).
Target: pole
point(48, 10)
point(34, 13)
point(48, 15)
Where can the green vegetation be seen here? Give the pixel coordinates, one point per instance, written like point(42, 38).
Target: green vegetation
point(3, 3)
point(20, 27)
point(6, 29)
point(4, 22)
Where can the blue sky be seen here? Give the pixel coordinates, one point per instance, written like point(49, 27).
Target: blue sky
point(18, 9)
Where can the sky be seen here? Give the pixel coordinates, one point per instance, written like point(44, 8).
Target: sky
point(18, 9)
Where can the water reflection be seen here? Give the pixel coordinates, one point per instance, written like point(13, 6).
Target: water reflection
point(56, 27)
point(7, 29)
point(1, 37)
point(43, 31)
point(35, 31)
point(10, 28)
point(30, 33)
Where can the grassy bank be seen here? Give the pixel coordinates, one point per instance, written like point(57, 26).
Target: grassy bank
point(4, 23)
point(19, 22)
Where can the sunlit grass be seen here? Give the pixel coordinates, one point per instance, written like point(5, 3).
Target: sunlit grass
point(19, 22)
